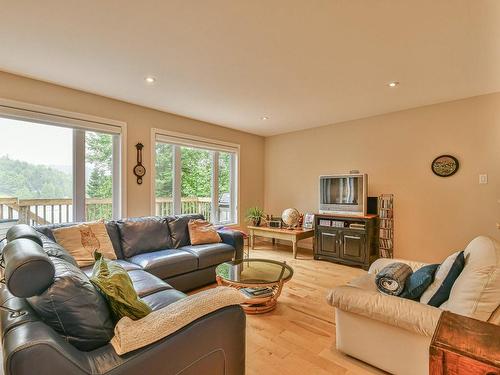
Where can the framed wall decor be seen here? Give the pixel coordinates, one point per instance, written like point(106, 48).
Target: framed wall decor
point(445, 165)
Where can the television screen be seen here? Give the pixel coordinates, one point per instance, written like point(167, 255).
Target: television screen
point(340, 190)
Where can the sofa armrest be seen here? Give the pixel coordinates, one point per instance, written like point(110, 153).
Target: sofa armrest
point(213, 344)
point(400, 312)
point(233, 238)
point(382, 262)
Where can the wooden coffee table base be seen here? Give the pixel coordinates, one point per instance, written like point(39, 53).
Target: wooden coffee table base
point(256, 305)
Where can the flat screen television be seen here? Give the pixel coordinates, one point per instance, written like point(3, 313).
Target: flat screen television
point(343, 194)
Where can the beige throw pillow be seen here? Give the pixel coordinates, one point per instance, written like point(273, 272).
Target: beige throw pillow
point(83, 239)
point(202, 232)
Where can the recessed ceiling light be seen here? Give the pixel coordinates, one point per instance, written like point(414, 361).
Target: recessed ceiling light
point(150, 80)
point(264, 118)
point(393, 84)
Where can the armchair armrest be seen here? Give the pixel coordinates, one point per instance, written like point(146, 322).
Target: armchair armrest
point(233, 238)
point(400, 312)
point(382, 262)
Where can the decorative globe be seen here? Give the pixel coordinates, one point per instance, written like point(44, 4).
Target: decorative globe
point(290, 217)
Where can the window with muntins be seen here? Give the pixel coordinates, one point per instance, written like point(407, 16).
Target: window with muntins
point(194, 175)
point(55, 169)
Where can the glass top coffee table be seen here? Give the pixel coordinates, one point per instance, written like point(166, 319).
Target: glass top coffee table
point(260, 281)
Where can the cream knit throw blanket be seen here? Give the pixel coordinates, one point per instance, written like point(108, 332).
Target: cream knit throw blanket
point(134, 334)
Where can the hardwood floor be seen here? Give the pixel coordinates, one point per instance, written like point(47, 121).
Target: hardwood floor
point(299, 336)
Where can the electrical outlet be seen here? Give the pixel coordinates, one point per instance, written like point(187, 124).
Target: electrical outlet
point(483, 178)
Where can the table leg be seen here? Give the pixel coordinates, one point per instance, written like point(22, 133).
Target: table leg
point(252, 239)
point(294, 244)
point(274, 241)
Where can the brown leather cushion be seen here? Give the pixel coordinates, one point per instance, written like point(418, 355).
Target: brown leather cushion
point(202, 232)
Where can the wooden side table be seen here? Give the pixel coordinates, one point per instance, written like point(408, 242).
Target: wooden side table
point(293, 235)
point(462, 345)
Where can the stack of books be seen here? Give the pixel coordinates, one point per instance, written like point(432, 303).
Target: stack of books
point(257, 292)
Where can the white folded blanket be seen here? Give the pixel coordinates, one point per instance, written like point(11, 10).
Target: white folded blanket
point(134, 334)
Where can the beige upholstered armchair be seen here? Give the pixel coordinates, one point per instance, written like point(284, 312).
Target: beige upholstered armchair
point(394, 333)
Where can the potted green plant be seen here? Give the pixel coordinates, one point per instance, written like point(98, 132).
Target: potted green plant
point(255, 215)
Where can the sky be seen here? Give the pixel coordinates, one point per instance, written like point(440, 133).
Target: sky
point(36, 143)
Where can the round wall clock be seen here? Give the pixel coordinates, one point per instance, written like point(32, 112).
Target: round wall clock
point(139, 169)
point(445, 165)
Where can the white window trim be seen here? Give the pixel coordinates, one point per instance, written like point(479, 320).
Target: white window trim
point(53, 116)
point(183, 139)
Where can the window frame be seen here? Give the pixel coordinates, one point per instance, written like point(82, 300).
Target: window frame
point(181, 139)
point(80, 123)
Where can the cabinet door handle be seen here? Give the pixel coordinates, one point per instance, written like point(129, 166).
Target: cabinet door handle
point(353, 237)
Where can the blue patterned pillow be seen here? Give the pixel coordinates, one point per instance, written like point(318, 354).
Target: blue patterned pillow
point(418, 282)
point(443, 293)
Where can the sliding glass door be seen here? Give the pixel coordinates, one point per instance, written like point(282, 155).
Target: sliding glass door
point(193, 176)
point(56, 174)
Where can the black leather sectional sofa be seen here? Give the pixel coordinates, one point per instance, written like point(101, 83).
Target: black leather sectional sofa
point(213, 344)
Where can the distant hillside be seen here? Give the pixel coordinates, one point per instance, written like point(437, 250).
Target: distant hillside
point(24, 180)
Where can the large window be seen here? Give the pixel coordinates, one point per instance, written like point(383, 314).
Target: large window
point(55, 169)
point(195, 176)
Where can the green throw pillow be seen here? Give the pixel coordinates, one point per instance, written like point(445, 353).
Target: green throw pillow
point(115, 284)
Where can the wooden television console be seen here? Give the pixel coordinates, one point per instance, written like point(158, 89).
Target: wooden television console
point(351, 240)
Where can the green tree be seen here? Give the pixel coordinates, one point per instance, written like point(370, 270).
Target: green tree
point(164, 170)
point(99, 157)
point(28, 181)
point(196, 176)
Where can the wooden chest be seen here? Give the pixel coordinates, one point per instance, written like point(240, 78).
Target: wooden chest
point(462, 345)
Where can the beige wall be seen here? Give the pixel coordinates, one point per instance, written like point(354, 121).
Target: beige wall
point(139, 121)
point(433, 215)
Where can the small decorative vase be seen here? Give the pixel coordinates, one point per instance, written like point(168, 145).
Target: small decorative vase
point(256, 222)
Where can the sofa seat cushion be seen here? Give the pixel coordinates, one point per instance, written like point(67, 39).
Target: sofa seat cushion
point(128, 266)
point(146, 283)
point(166, 263)
point(210, 254)
point(399, 312)
point(163, 298)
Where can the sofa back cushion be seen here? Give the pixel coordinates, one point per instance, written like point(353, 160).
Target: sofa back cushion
point(74, 308)
point(476, 292)
point(179, 228)
point(111, 227)
point(143, 235)
point(82, 240)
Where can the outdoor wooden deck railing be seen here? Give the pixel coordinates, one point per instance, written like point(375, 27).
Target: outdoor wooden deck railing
point(52, 211)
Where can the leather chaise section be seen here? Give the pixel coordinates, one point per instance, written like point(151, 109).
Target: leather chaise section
point(213, 344)
point(211, 254)
point(166, 263)
point(146, 284)
point(163, 298)
point(193, 280)
point(126, 265)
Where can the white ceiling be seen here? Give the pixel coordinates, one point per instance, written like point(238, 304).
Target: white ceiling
point(302, 63)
